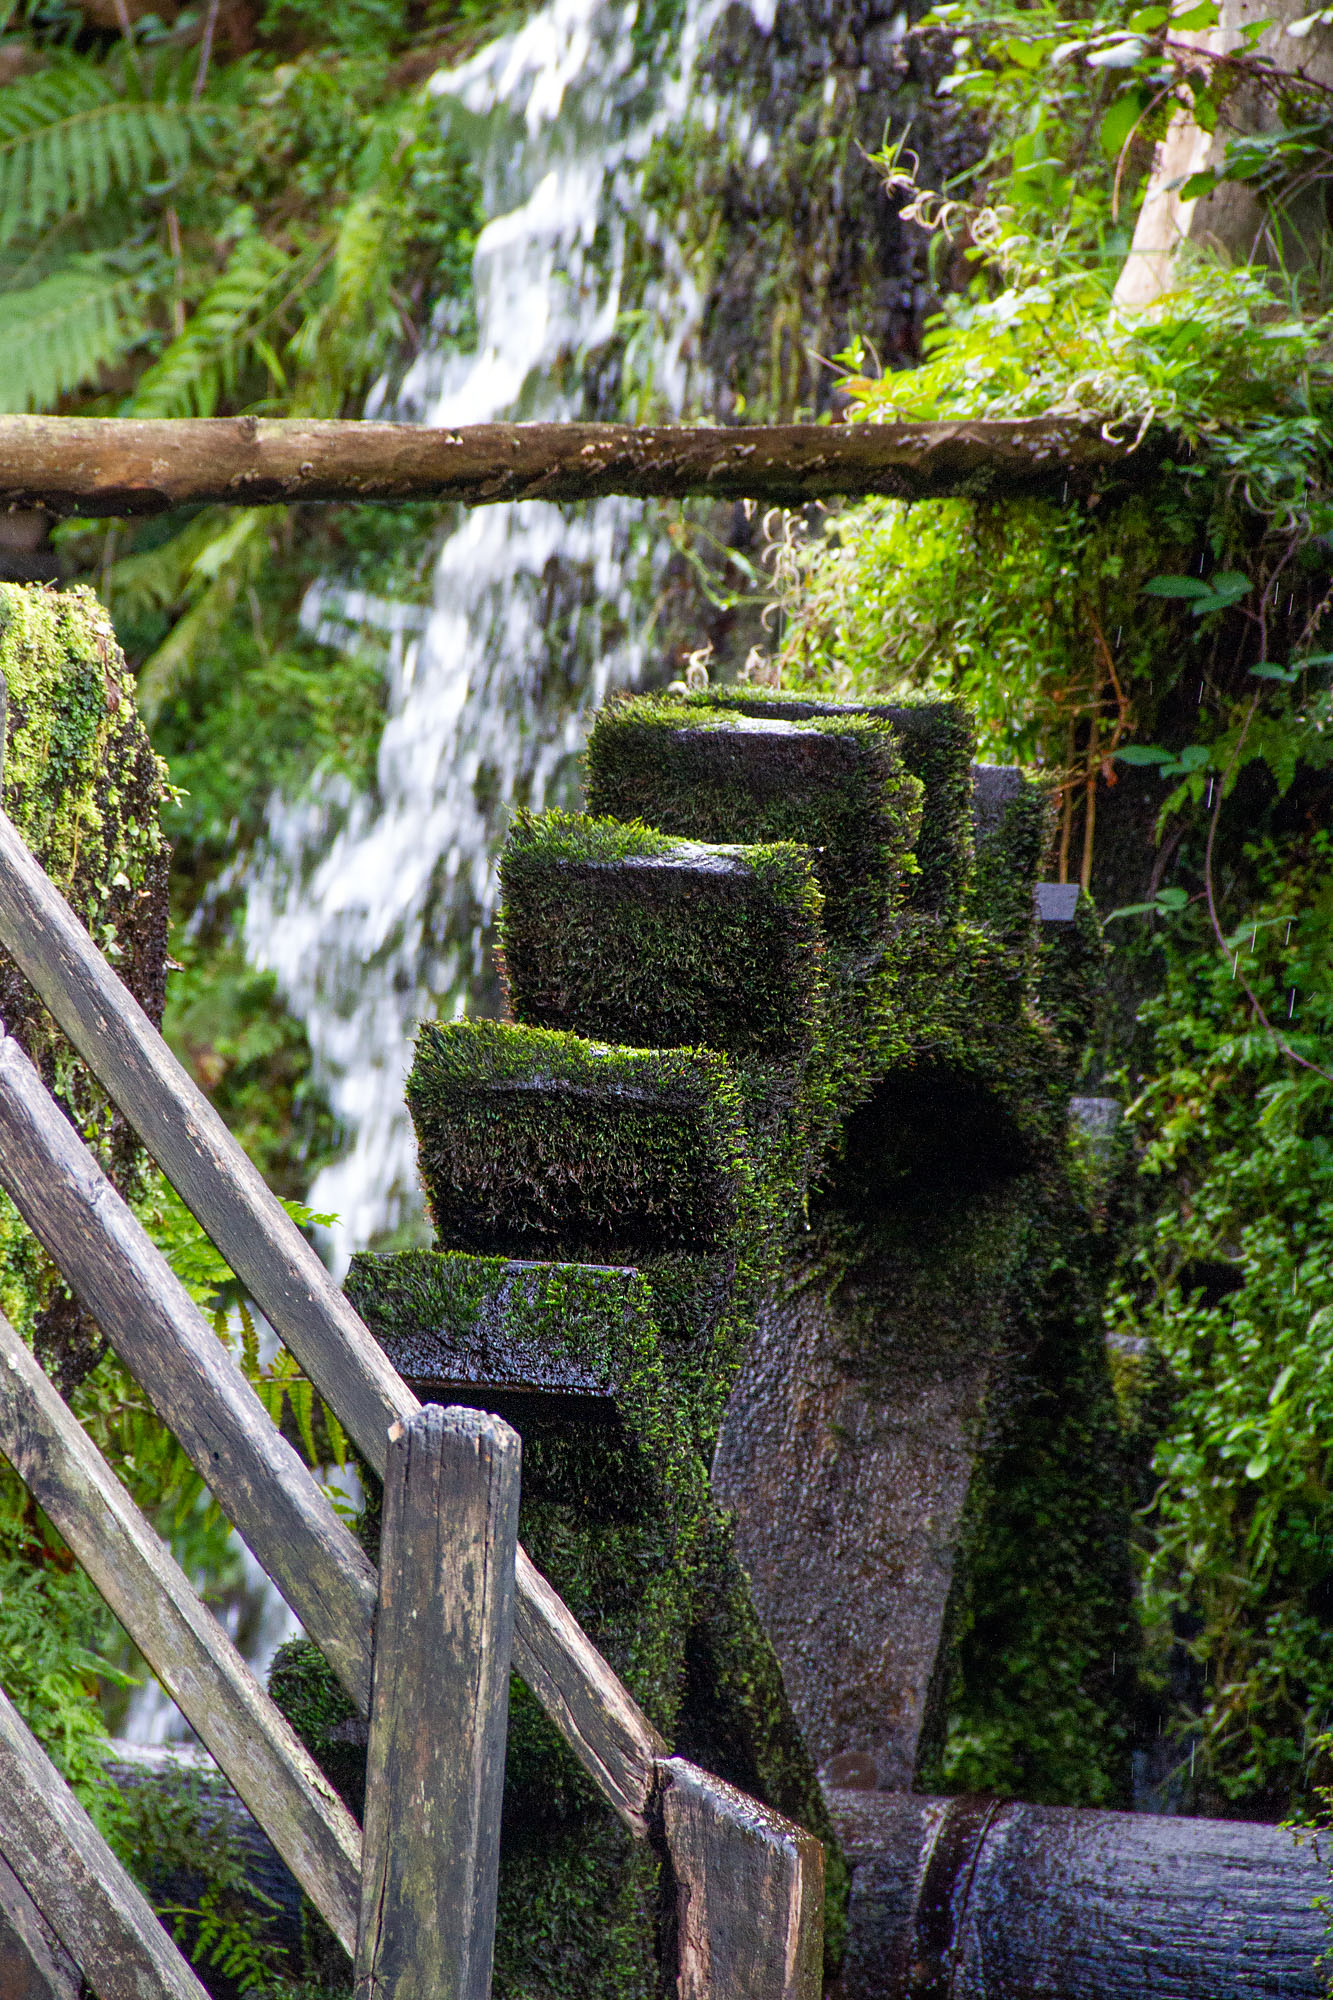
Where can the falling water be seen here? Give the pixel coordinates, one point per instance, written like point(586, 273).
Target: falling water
point(373, 910)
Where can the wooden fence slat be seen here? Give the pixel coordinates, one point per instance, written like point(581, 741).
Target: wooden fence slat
point(166, 1343)
point(748, 1893)
point(75, 1880)
point(218, 1184)
point(585, 1700)
point(438, 1720)
point(182, 1641)
point(34, 1965)
point(588, 1703)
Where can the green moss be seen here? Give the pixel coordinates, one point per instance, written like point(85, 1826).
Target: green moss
point(1007, 865)
point(85, 791)
point(531, 1140)
point(937, 743)
point(834, 784)
point(1071, 979)
point(659, 943)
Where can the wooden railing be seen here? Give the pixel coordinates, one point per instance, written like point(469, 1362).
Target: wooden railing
point(423, 1648)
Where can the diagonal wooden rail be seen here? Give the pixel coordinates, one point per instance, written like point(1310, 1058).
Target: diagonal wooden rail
point(129, 466)
point(746, 1883)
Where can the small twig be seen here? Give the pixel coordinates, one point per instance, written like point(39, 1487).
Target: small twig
point(205, 51)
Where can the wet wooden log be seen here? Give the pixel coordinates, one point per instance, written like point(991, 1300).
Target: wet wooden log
point(974, 1899)
point(439, 1717)
point(130, 466)
point(180, 1638)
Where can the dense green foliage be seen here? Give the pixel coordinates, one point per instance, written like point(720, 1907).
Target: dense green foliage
point(1159, 653)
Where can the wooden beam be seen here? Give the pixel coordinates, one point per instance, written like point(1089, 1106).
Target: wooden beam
point(75, 1880)
point(127, 466)
point(196, 1152)
point(747, 1895)
point(440, 1712)
point(589, 1705)
point(195, 1386)
point(181, 1640)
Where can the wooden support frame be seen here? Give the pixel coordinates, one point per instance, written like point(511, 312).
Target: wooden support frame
point(438, 1721)
point(63, 1863)
point(589, 1705)
point(748, 1893)
point(197, 1664)
point(167, 1344)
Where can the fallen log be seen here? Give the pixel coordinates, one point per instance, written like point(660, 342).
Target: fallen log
point(124, 466)
point(977, 1899)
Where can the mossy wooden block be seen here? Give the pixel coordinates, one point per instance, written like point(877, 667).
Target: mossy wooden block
point(554, 1340)
point(835, 784)
point(618, 931)
point(937, 742)
point(535, 1142)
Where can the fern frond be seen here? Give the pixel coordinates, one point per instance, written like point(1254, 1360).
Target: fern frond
point(58, 335)
point(204, 362)
point(164, 578)
point(70, 137)
point(223, 566)
point(342, 342)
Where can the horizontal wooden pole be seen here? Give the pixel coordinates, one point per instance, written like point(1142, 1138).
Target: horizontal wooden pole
point(197, 1664)
point(195, 1386)
point(589, 1705)
point(101, 1918)
point(127, 466)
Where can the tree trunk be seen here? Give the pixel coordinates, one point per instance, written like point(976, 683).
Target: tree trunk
point(1231, 220)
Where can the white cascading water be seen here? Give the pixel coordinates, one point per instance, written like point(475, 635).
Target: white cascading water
point(373, 910)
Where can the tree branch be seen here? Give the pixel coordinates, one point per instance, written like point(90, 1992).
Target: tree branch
point(113, 466)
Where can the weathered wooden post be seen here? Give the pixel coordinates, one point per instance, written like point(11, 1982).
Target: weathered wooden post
point(439, 1708)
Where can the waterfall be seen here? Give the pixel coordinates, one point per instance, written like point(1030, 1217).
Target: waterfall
point(373, 910)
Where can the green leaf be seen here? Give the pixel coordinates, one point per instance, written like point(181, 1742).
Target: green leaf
point(71, 137)
point(1027, 55)
point(1119, 122)
point(1270, 672)
point(1149, 18)
point(1194, 18)
point(1177, 586)
point(1172, 899)
point(1196, 186)
point(1144, 753)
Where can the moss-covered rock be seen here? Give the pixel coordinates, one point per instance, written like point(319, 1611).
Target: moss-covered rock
point(84, 789)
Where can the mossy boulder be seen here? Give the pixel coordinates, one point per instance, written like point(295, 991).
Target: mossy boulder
point(85, 790)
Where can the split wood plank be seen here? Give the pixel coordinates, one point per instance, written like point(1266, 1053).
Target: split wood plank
point(34, 1965)
point(101, 1918)
point(252, 1741)
point(195, 1386)
point(587, 1702)
point(748, 1893)
point(127, 466)
point(439, 1716)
